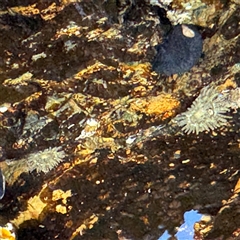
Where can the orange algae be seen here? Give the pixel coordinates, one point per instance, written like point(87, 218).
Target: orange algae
point(6, 234)
point(228, 84)
point(164, 105)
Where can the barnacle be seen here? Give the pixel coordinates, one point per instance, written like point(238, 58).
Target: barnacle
point(46, 160)
point(206, 113)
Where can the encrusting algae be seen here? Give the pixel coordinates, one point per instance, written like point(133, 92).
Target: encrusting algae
point(163, 106)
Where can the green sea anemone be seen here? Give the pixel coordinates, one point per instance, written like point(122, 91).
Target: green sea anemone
point(206, 113)
point(46, 160)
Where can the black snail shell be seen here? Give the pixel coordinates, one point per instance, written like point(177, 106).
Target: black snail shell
point(180, 51)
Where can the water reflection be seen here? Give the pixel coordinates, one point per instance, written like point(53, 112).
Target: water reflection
point(2, 185)
point(186, 230)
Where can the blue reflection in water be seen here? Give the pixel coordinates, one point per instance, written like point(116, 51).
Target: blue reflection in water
point(185, 232)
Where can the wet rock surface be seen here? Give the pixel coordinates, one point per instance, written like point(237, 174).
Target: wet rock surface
point(77, 91)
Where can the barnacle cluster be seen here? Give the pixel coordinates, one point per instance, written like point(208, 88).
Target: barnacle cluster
point(206, 113)
point(46, 160)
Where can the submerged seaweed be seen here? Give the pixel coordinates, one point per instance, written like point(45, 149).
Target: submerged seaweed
point(44, 161)
point(206, 113)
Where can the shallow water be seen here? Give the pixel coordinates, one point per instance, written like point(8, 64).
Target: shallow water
point(90, 149)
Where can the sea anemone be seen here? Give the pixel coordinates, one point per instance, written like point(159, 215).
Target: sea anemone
point(206, 112)
point(46, 160)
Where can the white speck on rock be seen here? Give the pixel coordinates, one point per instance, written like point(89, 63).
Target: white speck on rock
point(38, 56)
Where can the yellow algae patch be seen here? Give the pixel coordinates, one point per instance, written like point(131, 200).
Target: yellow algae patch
point(138, 73)
point(83, 153)
point(94, 34)
point(237, 187)
point(112, 33)
point(71, 29)
point(47, 13)
point(51, 11)
point(34, 97)
point(61, 209)
point(137, 48)
point(35, 208)
point(101, 35)
point(60, 194)
point(26, 77)
point(87, 224)
point(229, 83)
point(97, 66)
point(141, 68)
point(28, 10)
point(164, 105)
point(92, 143)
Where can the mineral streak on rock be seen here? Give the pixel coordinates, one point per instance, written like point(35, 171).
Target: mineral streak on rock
point(179, 52)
